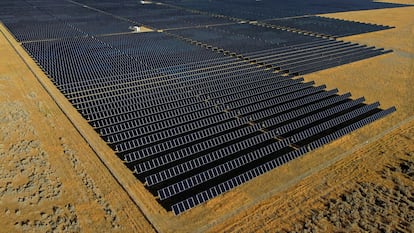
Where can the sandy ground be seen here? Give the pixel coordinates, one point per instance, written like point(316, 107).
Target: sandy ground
point(57, 177)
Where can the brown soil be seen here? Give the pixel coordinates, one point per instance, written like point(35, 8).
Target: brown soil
point(57, 175)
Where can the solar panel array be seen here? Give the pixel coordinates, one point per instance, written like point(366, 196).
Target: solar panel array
point(310, 57)
point(278, 49)
point(324, 26)
point(42, 20)
point(193, 112)
point(260, 10)
point(159, 16)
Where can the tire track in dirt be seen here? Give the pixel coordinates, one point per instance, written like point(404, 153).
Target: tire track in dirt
point(92, 189)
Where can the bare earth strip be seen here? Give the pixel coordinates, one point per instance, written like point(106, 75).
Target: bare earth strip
point(52, 179)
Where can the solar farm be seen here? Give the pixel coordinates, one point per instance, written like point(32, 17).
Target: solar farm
point(196, 98)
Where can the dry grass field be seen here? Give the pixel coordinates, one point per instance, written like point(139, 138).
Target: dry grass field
point(56, 175)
